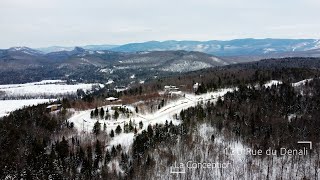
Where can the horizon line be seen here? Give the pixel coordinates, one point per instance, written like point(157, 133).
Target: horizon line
point(160, 41)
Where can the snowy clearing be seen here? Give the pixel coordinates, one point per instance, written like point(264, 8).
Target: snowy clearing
point(7, 106)
point(84, 123)
point(46, 87)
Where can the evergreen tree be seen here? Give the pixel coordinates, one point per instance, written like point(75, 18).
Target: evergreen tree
point(63, 148)
point(135, 130)
point(96, 112)
point(112, 133)
point(91, 114)
point(212, 137)
point(130, 126)
point(113, 152)
point(107, 158)
point(101, 113)
point(149, 161)
point(96, 128)
point(150, 130)
point(116, 114)
point(140, 124)
point(162, 102)
point(98, 154)
point(118, 129)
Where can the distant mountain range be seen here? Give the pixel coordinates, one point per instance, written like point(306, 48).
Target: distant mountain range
point(237, 47)
point(174, 61)
point(22, 64)
point(88, 47)
point(143, 60)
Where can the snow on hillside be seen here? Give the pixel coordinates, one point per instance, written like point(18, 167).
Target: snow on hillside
point(100, 52)
point(46, 87)
point(296, 84)
point(110, 81)
point(25, 50)
point(6, 106)
point(219, 60)
point(268, 50)
point(277, 82)
point(271, 83)
point(300, 83)
point(124, 139)
point(4, 86)
point(84, 123)
point(185, 65)
point(222, 149)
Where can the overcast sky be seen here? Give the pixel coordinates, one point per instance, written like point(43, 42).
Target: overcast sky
point(42, 23)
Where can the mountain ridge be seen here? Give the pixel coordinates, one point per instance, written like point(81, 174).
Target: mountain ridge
point(234, 47)
point(88, 65)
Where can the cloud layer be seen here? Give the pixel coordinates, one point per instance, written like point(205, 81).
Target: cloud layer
point(38, 23)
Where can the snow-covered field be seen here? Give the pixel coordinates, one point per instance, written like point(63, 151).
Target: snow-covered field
point(6, 106)
point(46, 87)
point(36, 89)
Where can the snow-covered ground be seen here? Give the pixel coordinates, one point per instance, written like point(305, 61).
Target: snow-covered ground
point(110, 81)
point(4, 86)
point(303, 82)
point(185, 65)
point(46, 87)
point(84, 123)
point(277, 82)
point(36, 89)
point(6, 106)
point(271, 83)
point(229, 151)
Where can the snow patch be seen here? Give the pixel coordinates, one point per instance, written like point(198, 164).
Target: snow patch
point(124, 139)
point(271, 83)
point(185, 65)
point(268, 50)
point(100, 52)
point(300, 83)
point(7, 106)
point(46, 87)
point(110, 81)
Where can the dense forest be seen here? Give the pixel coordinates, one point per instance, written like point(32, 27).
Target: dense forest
point(285, 69)
point(259, 117)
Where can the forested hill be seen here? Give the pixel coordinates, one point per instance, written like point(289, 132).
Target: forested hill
point(290, 62)
point(21, 65)
point(285, 69)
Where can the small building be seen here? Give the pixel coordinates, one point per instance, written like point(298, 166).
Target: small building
point(171, 89)
point(120, 88)
point(54, 107)
point(196, 87)
point(111, 99)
